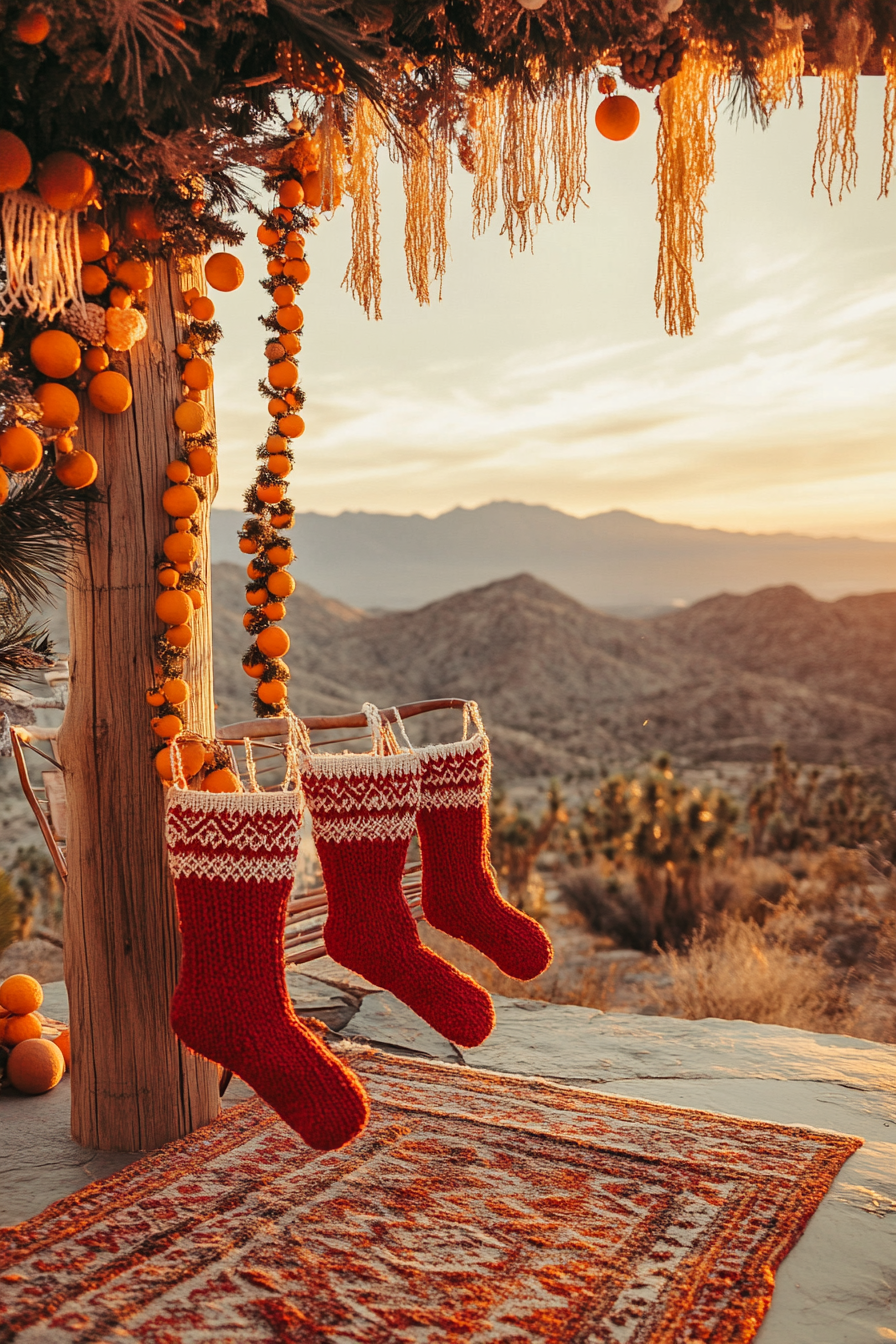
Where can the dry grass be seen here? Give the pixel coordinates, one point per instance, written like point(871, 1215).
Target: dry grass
point(744, 972)
point(589, 987)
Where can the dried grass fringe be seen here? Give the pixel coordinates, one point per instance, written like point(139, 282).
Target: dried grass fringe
point(363, 275)
point(686, 145)
point(522, 141)
point(889, 146)
point(780, 71)
point(424, 163)
point(836, 145)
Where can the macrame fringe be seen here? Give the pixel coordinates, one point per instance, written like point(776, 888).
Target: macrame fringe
point(886, 171)
point(332, 156)
point(425, 164)
point(835, 150)
point(363, 275)
point(523, 139)
point(43, 260)
point(686, 143)
point(779, 73)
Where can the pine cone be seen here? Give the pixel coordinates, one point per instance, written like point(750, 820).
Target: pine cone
point(88, 323)
point(646, 67)
point(324, 76)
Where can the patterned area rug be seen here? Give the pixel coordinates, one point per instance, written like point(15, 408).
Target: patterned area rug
point(475, 1207)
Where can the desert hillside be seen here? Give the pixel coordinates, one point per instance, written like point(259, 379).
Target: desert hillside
point(566, 688)
point(617, 560)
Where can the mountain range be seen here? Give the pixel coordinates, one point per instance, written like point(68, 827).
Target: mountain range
point(565, 688)
point(616, 561)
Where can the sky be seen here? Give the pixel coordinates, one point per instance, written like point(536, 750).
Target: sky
point(547, 378)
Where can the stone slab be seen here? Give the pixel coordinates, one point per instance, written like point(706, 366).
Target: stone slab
point(384, 1020)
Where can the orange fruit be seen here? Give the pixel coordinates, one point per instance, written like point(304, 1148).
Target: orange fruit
point(15, 162)
point(63, 1042)
point(136, 275)
point(65, 180)
point(224, 272)
point(180, 636)
point(201, 461)
point(290, 318)
point(174, 607)
point(202, 309)
point(180, 501)
point(283, 374)
point(281, 584)
point(276, 406)
point(175, 690)
point(273, 641)
point(275, 611)
point(93, 279)
point(192, 759)
point(21, 994)
point(278, 464)
point(96, 359)
point(20, 449)
point(178, 472)
point(93, 241)
point(110, 392)
point(272, 692)
point(59, 405)
point(291, 193)
point(190, 417)
point(21, 1027)
point(270, 494)
point(222, 781)
point(4, 486)
point(283, 294)
point(617, 117)
point(169, 725)
point(198, 374)
point(77, 469)
point(293, 426)
point(140, 221)
point(35, 1066)
point(180, 547)
point(301, 270)
point(280, 555)
point(32, 27)
point(55, 354)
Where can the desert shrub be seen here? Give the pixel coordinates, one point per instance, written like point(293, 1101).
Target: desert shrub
point(611, 903)
point(744, 972)
point(665, 834)
point(516, 842)
point(794, 809)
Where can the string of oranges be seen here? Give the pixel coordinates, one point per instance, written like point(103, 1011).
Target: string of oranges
point(182, 588)
point(269, 583)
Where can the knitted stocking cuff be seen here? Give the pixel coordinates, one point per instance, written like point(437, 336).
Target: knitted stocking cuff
point(233, 836)
point(360, 797)
point(455, 774)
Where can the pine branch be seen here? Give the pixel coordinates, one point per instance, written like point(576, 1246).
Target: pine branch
point(25, 649)
point(39, 531)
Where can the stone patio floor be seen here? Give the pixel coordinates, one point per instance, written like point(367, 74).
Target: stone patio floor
point(838, 1286)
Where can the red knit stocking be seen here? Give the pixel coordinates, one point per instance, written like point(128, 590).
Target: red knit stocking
point(233, 859)
point(460, 895)
point(363, 809)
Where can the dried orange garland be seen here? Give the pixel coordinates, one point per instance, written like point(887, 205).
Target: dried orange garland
point(182, 587)
point(269, 583)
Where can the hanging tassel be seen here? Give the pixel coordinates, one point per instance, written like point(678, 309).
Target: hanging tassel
point(332, 157)
point(43, 260)
point(686, 144)
point(524, 167)
point(485, 115)
point(779, 73)
point(418, 212)
point(439, 195)
point(569, 143)
point(363, 275)
point(886, 172)
point(836, 146)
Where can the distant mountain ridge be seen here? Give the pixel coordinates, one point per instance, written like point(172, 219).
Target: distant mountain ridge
point(564, 687)
point(617, 561)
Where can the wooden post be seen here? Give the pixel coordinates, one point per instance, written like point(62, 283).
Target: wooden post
point(134, 1086)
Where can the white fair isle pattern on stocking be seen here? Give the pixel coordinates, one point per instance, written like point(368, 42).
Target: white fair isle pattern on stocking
point(361, 797)
point(233, 836)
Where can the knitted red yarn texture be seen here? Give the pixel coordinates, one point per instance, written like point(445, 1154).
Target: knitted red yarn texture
point(460, 895)
point(233, 860)
point(363, 810)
